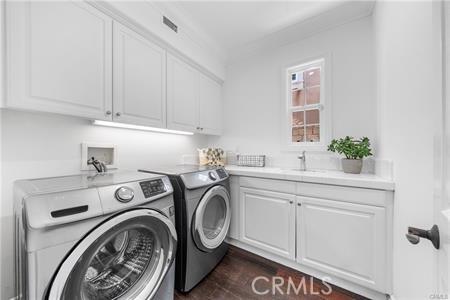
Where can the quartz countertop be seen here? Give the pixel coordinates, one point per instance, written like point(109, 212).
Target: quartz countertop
point(369, 181)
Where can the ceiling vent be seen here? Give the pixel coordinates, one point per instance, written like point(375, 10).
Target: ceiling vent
point(170, 24)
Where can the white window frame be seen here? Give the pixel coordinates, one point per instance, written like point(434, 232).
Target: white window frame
point(324, 106)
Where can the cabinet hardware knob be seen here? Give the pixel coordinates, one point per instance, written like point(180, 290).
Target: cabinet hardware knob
point(299, 204)
point(290, 202)
point(108, 112)
point(118, 114)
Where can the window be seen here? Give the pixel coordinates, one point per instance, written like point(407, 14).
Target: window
point(305, 104)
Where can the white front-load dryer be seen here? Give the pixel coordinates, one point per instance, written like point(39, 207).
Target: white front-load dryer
point(106, 236)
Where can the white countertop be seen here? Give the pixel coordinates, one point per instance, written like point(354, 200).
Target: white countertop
point(318, 176)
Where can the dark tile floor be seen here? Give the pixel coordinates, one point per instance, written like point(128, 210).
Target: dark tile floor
point(232, 280)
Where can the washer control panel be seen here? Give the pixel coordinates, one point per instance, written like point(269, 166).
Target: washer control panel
point(152, 188)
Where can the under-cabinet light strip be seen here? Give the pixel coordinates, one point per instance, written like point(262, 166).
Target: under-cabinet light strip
point(138, 127)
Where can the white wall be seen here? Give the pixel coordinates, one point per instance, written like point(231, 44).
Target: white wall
point(409, 114)
point(39, 145)
point(253, 96)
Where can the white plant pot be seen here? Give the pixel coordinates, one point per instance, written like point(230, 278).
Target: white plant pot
point(352, 166)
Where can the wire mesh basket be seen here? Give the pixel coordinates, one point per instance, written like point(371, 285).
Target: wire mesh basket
point(251, 160)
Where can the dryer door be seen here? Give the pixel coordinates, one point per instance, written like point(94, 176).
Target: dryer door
point(125, 257)
point(212, 219)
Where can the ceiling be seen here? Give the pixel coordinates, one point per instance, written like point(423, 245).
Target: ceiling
point(233, 24)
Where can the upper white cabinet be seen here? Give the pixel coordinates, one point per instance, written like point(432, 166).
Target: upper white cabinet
point(193, 99)
point(139, 79)
point(210, 111)
point(182, 95)
point(344, 239)
point(59, 58)
point(267, 221)
point(71, 58)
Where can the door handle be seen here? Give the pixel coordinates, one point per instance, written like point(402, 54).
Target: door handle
point(414, 235)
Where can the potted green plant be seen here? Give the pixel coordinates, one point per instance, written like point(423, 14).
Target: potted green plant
point(354, 150)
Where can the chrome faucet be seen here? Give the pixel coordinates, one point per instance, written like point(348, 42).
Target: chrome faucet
point(302, 161)
point(98, 165)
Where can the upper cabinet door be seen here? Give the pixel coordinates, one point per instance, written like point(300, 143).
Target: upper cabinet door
point(210, 111)
point(139, 79)
point(182, 95)
point(59, 58)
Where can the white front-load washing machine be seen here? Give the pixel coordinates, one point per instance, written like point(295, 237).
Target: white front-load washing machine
point(105, 236)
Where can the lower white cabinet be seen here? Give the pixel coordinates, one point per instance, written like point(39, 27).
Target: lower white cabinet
point(344, 232)
point(267, 221)
point(233, 231)
point(343, 239)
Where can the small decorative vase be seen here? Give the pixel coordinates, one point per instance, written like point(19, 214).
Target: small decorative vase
point(352, 166)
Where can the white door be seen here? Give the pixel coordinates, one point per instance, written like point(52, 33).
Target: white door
point(344, 239)
point(442, 199)
point(267, 221)
point(182, 95)
point(210, 110)
point(59, 58)
point(139, 79)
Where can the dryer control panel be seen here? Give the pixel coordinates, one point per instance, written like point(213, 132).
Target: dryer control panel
point(203, 178)
point(152, 188)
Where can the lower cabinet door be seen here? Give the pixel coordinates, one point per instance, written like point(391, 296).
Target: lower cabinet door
point(267, 221)
point(343, 239)
point(233, 232)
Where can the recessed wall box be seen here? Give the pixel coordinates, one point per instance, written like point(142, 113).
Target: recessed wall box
point(106, 153)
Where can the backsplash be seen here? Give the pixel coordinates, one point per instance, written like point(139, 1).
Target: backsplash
point(314, 161)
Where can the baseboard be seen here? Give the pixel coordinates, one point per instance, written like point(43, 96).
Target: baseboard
point(342, 283)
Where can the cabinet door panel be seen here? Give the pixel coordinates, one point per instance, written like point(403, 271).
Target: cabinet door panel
point(268, 221)
point(182, 95)
point(233, 232)
point(59, 58)
point(139, 79)
point(344, 239)
point(210, 109)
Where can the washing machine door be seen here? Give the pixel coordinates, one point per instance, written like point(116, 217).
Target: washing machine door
point(212, 219)
point(125, 257)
